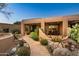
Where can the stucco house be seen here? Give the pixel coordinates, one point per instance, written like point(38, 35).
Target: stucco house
point(52, 25)
point(6, 28)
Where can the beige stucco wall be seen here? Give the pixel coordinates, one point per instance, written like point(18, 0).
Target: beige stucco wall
point(15, 27)
point(42, 21)
point(43, 35)
point(9, 26)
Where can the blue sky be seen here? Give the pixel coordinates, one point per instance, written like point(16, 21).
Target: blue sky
point(37, 10)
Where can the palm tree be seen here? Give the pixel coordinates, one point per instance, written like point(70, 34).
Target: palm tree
point(6, 13)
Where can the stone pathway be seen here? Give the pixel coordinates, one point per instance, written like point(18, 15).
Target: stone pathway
point(36, 48)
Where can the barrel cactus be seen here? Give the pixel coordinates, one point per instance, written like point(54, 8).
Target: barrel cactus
point(23, 51)
point(34, 36)
point(44, 41)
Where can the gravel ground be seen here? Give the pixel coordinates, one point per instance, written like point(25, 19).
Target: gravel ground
point(6, 45)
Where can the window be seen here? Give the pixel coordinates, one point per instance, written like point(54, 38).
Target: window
point(53, 30)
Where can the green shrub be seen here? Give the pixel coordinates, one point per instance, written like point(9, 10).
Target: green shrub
point(74, 33)
point(56, 39)
point(34, 36)
point(44, 42)
point(23, 51)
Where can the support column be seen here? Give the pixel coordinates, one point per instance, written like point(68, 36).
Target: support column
point(22, 28)
point(43, 26)
point(65, 26)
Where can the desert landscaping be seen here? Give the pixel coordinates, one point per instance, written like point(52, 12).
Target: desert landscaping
point(39, 29)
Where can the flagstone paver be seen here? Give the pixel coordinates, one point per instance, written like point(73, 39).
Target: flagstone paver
point(36, 48)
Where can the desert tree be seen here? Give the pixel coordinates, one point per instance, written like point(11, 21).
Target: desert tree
point(7, 14)
point(17, 22)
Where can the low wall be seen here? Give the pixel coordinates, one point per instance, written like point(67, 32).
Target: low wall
point(43, 35)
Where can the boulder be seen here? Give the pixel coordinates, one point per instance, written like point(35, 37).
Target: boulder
point(53, 45)
point(61, 52)
point(75, 52)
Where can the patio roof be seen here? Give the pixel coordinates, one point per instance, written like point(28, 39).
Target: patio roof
point(51, 19)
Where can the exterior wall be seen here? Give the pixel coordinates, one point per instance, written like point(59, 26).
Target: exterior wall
point(9, 26)
point(60, 27)
point(22, 28)
point(63, 19)
point(3, 26)
point(12, 27)
point(42, 35)
point(65, 27)
point(43, 26)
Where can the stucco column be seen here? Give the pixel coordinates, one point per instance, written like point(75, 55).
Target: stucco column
point(43, 26)
point(22, 28)
point(65, 26)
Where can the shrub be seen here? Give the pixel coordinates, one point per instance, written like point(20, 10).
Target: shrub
point(74, 34)
point(44, 42)
point(34, 36)
point(23, 51)
point(15, 31)
point(21, 43)
point(56, 39)
point(15, 37)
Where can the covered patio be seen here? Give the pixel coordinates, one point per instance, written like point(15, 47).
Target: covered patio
point(31, 27)
point(53, 28)
point(58, 27)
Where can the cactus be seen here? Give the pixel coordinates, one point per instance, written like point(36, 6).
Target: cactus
point(44, 42)
point(74, 34)
point(23, 51)
point(34, 36)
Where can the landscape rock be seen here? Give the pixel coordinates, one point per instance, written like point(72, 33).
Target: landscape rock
point(61, 52)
